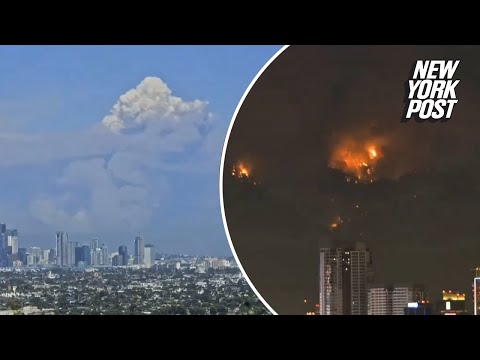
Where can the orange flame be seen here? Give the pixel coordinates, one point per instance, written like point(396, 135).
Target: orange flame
point(336, 223)
point(356, 158)
point(243, 170)
point(240, 171)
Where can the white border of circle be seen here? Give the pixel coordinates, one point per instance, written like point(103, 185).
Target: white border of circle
point(221, 176)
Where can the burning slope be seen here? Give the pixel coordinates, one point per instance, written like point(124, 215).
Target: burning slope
point(240, 171)
point(357, 158)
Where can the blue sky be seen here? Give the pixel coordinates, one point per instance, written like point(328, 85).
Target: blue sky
point(110, 141)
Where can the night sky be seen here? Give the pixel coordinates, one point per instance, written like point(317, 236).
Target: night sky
point(419, 216)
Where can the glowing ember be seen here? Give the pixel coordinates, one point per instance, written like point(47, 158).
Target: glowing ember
point(356, 159)
point(241, 171)
point(336, 223)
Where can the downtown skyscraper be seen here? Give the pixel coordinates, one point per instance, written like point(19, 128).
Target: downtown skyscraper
point(3, 236)
point(149, 259)
point(139, 258)
point(63, 249)
point(8, 245)
point(123, 252)
point(476, 292)
point(344, 277)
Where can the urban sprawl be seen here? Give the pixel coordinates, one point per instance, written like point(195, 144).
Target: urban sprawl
point(75, 278)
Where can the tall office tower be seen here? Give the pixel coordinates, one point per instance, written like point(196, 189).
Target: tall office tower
point(45, 256)
point(22, 255)
point(93, 258)
point(344, 277)
point(98, 256)
point(36, 253)
point(402, 296)
point(379, 301)
point(51, 256)
point(71, 253)
point(3, 236)
point(117, 260)
point(476, 295)
point(122, 250)
point(14, 244)
point(86, 256)
point(149, 259)
point(79, 255)
point(94, 244)
point(30, 260)
point(139, 251)
point(105, 255)
point(12, 240)
point(62, 248)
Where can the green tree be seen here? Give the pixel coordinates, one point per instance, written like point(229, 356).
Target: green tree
point(14, 306)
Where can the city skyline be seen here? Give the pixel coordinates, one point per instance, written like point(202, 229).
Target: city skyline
point(113, 140)
point(66, 253)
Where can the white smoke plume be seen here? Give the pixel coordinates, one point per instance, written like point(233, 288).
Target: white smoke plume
point(117, 170)
point(152, 102)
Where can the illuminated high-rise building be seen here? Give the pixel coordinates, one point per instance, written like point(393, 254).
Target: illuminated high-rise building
point(453, 303)
point(476, 292)
point(393, 300)
point(379, 301)
point(402, 295)
point(344, 277)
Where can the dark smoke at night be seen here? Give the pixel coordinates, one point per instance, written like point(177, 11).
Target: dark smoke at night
point(308, 126)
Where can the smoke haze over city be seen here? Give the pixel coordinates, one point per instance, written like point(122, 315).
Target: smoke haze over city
point(110, 141)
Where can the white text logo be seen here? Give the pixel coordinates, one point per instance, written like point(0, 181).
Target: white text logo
point(431, 91)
